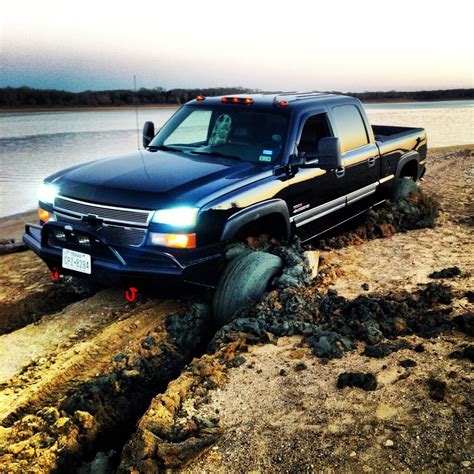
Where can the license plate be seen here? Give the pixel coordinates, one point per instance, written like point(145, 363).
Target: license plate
point(78, 261)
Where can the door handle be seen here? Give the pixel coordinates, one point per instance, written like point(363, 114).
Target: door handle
point(371, 161)
point(340, 172)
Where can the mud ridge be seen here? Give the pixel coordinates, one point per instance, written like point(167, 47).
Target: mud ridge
point(417, 211)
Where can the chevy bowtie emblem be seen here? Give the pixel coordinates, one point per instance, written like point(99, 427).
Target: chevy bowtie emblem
point(92, 220)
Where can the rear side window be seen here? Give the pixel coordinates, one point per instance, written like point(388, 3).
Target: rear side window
point(350, 127)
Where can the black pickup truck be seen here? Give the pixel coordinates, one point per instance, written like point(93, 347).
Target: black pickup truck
point(221, 169)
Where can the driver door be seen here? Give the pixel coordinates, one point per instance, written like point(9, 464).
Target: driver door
point(314, 193)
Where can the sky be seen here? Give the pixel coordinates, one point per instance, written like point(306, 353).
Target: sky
point(361, 45)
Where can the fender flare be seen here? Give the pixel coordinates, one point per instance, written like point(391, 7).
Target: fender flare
point(407, 157)
point(254, 212)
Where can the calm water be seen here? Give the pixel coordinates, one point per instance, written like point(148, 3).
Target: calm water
point(35, 145)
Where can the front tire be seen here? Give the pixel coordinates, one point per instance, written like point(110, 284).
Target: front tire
point(246, 278)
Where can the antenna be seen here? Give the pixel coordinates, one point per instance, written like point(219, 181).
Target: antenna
point(136, 111)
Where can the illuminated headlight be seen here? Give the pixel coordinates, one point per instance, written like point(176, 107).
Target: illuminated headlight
point(47, 193)
point(177, 217)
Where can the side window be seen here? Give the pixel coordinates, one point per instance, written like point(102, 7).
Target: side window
point(315, 128)
point(193, 129)
point(350, 127)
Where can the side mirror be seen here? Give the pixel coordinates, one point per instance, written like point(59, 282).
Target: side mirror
point(148, 133)
point(327, 157)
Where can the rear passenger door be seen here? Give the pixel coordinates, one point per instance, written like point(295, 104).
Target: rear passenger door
point(360, 158)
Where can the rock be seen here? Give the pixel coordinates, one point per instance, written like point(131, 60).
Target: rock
point(313, 260)
point(407, 363)
point(437, 389)
point(367, 381)
point(465, 323)
point(300, 366)
point(282, 372)
point(463, 353)
point(365, 286)
point(466, 463)
point(419, 348)
point(377, 351)
point(237, 361)
point(450, 272)
point(388, 443)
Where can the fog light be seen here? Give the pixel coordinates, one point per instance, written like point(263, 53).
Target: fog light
point(182, 241)
point(60, 235)
point(83, 240)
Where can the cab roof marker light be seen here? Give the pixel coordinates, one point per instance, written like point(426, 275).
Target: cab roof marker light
point(283, 103)
point(237, 100)
point(200, 98)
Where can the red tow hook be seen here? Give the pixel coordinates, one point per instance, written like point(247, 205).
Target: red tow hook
point(54, 272)
point(131, 294)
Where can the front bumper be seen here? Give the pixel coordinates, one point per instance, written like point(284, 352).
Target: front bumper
point(115, 265)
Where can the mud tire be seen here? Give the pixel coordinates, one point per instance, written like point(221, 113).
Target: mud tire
point(245, 278)
point(403, 188)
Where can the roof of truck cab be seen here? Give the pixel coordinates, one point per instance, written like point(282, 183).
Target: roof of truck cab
point(273, 99)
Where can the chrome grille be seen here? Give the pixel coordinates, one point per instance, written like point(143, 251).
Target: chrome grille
point(111, 233)
point(121, 235)
point(107, 213)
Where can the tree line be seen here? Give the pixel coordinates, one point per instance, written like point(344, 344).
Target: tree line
point(30, 97)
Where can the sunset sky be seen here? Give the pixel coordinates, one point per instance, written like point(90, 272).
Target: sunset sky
point(332, 45)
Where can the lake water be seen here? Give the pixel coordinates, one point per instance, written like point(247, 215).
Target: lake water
point(36, 144)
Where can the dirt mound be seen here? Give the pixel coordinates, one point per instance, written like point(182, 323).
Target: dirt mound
point(417, 211)
point(332, 324)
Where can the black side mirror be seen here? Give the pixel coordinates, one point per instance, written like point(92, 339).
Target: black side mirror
point(148, 133)
point(327, 157)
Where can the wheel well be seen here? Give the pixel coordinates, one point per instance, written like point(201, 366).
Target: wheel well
point(410, 170)
point(273, 225)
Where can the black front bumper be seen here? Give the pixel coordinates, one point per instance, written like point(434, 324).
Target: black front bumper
point(114, 265)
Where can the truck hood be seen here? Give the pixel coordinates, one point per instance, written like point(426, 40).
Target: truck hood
point(153, 180)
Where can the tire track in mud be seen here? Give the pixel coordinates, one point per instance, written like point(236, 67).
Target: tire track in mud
point(102, 408)
point(27, 292)
point(45, 384)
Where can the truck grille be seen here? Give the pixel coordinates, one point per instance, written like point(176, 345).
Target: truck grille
point(113, 234)
point(107, 213)
point(122, 235)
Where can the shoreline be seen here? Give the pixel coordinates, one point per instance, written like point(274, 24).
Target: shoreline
point(106, 108)
point(11, 225)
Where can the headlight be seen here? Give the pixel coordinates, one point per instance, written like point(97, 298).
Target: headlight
point(177, 217)
point(47, 193)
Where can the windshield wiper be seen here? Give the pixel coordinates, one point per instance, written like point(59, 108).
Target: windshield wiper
point(216, 154)
point(163, 148)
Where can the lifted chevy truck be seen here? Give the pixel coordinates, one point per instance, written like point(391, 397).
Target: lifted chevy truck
point(221, 169)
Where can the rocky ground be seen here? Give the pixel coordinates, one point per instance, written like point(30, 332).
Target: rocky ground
point(366, 368)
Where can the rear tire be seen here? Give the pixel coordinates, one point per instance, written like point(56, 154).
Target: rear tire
point(246, 278)
point(403, 188)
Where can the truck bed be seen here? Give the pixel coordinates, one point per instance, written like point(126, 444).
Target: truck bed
point(383, 133)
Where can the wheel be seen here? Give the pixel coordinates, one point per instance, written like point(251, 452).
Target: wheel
point(245, 278)
point(403, 188)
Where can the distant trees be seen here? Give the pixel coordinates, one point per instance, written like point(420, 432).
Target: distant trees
point(29, 97)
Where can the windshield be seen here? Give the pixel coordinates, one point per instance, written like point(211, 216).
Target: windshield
point(226, 131)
